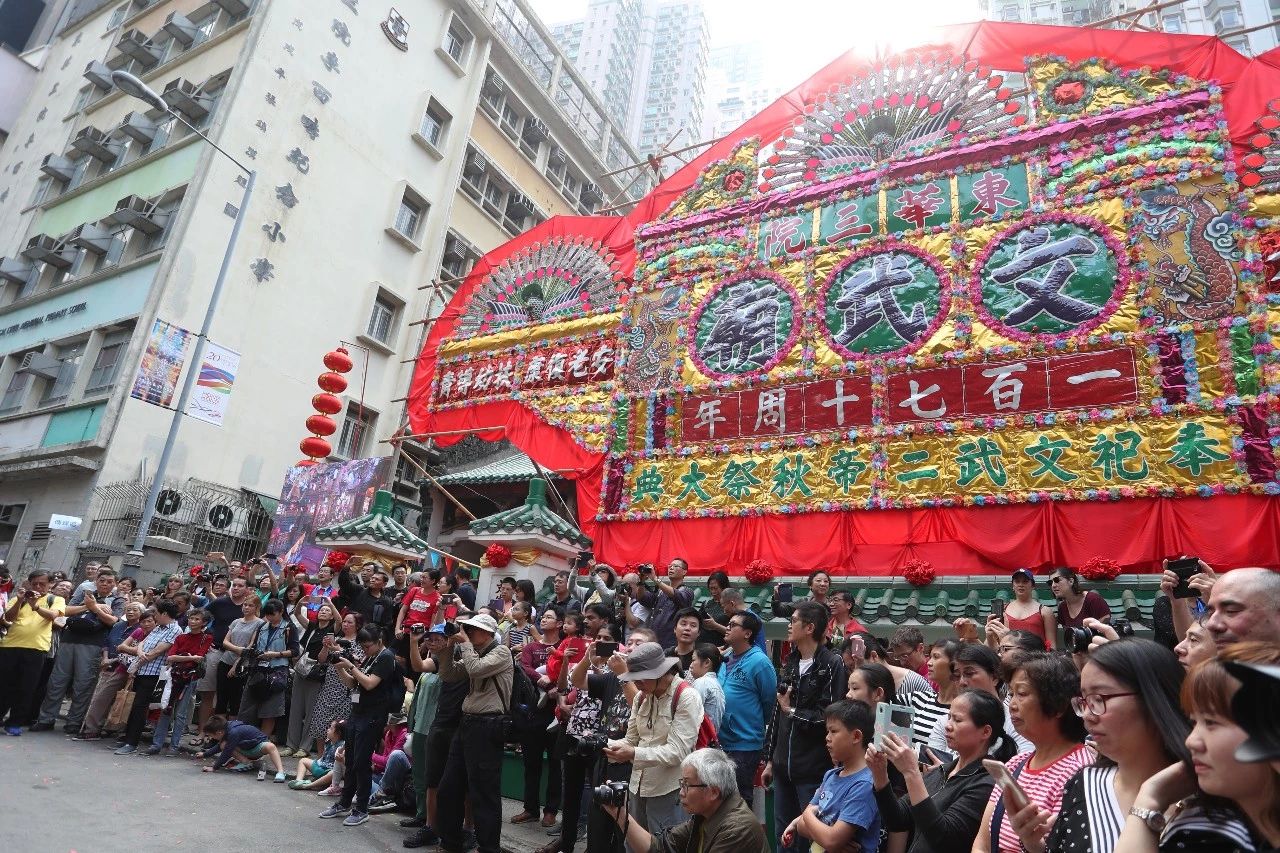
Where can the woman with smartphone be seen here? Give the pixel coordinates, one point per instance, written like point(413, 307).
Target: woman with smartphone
point(943, 807)
point(1023, 613)
point(1041, 694)
point(783, 603)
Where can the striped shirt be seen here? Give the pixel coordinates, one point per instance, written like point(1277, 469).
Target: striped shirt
point(1043, 786)
point(159, 634)
point(928, 712)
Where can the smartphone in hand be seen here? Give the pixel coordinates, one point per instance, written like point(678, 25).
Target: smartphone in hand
point(1015, 797)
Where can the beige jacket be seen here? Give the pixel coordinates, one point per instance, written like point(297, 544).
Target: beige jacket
point(662, 742)
point(490, 673)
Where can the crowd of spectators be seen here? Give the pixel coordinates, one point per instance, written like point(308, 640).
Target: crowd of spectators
point(648, 721)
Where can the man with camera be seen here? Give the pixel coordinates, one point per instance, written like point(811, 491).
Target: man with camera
point(475, 756)
point(25, 646)
point(75, 668)
point(721, 821)
point(813, 677)
point(665, 598)
point(372, 602)
point(671, 716)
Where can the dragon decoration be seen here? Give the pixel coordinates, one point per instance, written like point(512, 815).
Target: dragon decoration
point(959, 277)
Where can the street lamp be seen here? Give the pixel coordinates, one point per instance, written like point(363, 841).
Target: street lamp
point(131, 85)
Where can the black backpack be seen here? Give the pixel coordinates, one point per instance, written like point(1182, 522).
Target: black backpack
point(396, 690)
point(524, 701)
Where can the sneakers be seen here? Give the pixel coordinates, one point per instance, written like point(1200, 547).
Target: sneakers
point(412, 823)
point(126, 750)
point(298, 784)
point(331, 791)
point(40, 727)
point(262, 775)
point(356, 818)
point(379, 805)
point(13, 731)
point(335, 810)
point(279, 777)
point(152, 750)
point(422, 838)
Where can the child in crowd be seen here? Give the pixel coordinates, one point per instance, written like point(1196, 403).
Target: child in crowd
point(703, 670)
point(246, 743)
point(519, 627)
point(316, 774)
point(844, 807)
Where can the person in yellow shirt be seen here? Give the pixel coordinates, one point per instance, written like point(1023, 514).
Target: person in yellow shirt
point(23, 649)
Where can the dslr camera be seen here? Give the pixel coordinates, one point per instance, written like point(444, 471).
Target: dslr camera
point(1078, 639)
point(647, 579)
point(587, 746)
point(346, 653)
point(610, 794)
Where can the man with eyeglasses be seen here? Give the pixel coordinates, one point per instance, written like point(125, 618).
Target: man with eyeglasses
point(750, 686)
point(721, 821)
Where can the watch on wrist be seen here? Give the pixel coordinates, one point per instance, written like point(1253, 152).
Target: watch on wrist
point(1154, 820)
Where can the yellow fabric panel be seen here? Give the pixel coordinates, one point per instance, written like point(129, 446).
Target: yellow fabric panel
point(1212, 384)
point(532, 334)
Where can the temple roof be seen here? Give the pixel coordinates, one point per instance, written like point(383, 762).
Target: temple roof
point(376, 530)
point(532, 516)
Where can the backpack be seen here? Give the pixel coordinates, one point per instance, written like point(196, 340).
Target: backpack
point(396, 690)
point(707, 735)
point(524, 701)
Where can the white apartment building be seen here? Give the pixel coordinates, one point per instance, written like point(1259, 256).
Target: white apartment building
point(736, 88)
point(391, 148)
point(648, 58)
point(1198, 17)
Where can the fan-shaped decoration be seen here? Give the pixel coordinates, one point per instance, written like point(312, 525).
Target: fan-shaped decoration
point(1262, 165)
point(560, 279)
point(901, 107)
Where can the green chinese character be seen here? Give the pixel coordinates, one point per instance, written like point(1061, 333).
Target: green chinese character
point(1195, 451)
point(739, 479)
point(1047, 454)
point(846, 467)
point(981, 457)
point(692, 480)
point(649, 484)
point(1110, 455)
point(911, 458)
point(788, 476)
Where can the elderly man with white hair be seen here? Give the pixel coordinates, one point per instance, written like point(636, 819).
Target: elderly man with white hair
point(720, 822)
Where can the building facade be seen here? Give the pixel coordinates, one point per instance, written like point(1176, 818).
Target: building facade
point(736, 87)
point(648, 59)
point(1224, 18)
point(390, 151)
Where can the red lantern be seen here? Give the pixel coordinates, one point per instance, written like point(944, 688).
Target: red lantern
point(338, 361)
point(326, 404)
point(334, 383)
point(304, 463)
point(315, 447)
point(321, 425)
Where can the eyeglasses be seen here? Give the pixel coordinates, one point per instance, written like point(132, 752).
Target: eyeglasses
point(684, 786)
point(1052, 581)
point(733, 624)
point(1094, 703)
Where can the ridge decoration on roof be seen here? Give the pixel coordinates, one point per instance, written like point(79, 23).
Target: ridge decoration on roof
point(915, 310)
point(375, 531)
point(532, 516)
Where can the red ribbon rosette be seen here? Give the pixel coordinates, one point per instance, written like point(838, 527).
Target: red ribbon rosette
point(919, 572)
point(497, 555)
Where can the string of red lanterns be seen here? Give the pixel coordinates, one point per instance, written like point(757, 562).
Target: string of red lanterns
point(332, 383)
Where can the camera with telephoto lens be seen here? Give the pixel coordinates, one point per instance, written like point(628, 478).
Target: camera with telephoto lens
point(610, 794)
point(587, 746)
point(647, 579)
point(1078, 639)
point(451, 628)
point(250, 656)
point(346, 653)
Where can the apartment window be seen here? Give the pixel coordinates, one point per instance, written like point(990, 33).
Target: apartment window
point(106, 367)
point(56, 389)
point(409, 216)
point(457, 41)
point(11, 401)
point(117, 16)
point(1175, 24)
point(354, 436)
point(1229, 18)
point(382, 319)
point(459, 257)
point(434, 123)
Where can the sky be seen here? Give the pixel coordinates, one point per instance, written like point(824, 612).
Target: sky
point(800, 43)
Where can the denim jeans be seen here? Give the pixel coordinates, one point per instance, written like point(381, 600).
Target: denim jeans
point(745, 764)
point(178, 720)
point(394, 776)
point(789, 799)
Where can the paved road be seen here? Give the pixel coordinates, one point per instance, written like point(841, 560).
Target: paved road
point(77, 797)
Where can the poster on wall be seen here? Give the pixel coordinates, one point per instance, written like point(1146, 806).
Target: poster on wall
point(161, 365)
point(212, 393)
point(318, 495)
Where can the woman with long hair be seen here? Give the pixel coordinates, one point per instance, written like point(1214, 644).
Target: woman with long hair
point(1129, 705)
point(1214, 801)
point(943, 807)
point(1041, 693)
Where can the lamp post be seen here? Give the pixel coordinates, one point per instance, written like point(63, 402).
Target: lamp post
point(131, 85)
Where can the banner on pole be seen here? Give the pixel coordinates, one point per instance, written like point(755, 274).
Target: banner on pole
point(161, 365)
point(212, 393)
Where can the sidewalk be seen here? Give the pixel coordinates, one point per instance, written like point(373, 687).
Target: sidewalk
point(523, 837)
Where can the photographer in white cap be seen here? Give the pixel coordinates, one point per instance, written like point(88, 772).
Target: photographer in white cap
point(475, 756)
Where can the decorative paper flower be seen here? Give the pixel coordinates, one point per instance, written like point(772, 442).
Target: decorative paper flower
point(497, 555)
point(759, 572)
point(919, 572)
point(1100, 569)
point(336, 560)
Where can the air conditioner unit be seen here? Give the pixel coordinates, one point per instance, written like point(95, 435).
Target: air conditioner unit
point(139, 48)
point(494, 84)
point(536, 129)
point(476, 162)
point(220, 517)
point(591, 194)
point(39, 364)
point(180, 27)
point(58, 167)
point(233, 7)
point(17, 270)
point(139, 214)
point(137, 126)
point(520, 204)
point(49, 250)
point(185, 97)
point(557, 155)
point(99, 74)
point(92, 237)
point(94, 143)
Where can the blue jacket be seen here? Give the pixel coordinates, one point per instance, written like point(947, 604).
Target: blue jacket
point(750, 687)
point(237, 736)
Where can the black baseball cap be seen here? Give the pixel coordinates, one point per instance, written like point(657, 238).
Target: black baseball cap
point(1253, 707)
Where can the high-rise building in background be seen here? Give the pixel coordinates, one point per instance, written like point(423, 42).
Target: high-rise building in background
point(390, 152)
point(736, 87)
point(1224, 18)
point(648, 61)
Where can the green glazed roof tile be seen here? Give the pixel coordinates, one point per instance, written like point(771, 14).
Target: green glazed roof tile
point(511, 467)
point(376, 527)
point(532, 516)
